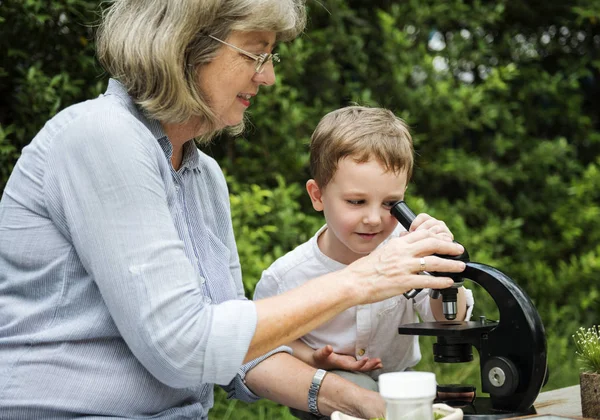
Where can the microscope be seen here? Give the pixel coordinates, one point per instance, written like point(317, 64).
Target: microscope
point(512, 351)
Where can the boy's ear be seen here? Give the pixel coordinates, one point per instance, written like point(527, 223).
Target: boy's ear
point(314, 193)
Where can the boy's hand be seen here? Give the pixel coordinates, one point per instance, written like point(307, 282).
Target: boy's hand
point(425, 222)
point(325, 358)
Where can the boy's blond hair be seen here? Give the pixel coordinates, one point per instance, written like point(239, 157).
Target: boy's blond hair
point(361, 133)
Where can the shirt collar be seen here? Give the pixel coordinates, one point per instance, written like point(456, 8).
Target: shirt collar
point(190, 151)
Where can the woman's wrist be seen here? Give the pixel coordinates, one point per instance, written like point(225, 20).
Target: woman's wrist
point(332, 395)
point(351, 286)
point(339, 394)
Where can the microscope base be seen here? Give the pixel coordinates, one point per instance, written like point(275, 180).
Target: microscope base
point(481, 409)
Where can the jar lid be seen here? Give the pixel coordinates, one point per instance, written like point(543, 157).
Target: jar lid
point(405, 385)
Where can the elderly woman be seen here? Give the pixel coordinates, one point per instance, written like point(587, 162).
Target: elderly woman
point(120, 284)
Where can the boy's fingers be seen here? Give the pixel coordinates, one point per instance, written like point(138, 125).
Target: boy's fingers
point(419, 220)
point(323, 353)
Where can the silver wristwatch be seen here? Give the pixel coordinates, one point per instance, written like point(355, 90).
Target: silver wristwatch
point(313, 391)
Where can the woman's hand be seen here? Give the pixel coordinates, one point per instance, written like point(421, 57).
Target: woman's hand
point(372, 406)
point(326, 358)
point(394, 268)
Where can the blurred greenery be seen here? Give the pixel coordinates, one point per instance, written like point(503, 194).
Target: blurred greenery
point(503, 99)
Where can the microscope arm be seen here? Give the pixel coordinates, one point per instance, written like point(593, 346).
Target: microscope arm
point(516, 345)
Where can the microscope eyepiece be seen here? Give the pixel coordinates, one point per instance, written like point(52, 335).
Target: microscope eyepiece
point(404, 214)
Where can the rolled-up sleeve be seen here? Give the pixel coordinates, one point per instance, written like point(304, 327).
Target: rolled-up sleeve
point(237, 388)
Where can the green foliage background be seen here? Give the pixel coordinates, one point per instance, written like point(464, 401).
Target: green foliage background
point(503, 98)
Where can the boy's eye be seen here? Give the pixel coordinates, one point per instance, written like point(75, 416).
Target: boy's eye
point(388, 204)
point(355, 202)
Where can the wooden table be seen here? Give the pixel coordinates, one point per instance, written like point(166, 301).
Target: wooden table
point(560, 402)
point(563, 402)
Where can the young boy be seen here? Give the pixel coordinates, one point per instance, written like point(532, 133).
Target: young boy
point(361, 160)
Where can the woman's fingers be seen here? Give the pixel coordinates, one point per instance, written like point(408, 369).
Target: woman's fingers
point(417, 281)
point(424, 243)
point(402, 256)
point(394, 268)
point(433, 263)
point(430, 246)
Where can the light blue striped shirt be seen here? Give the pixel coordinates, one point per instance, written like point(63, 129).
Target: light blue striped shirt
point(120, 283)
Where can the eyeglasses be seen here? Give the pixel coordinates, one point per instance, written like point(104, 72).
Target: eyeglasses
point(260, 59)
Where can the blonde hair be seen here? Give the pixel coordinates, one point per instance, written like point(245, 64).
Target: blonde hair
point(363, 134)
point(153, 47)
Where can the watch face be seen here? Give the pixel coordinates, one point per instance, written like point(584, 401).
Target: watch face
point(319, 375)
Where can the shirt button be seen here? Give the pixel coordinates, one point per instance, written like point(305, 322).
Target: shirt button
point(361, 352)
point(207, 299)
point(202, 280)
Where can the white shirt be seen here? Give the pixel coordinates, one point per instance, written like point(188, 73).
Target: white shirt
point(362, 331)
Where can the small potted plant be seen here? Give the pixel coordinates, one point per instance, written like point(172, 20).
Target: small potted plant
point(587, 345)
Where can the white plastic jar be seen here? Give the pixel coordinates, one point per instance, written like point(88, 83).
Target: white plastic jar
point(408, 395)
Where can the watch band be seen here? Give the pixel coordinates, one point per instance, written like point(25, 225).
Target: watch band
point(313, 391)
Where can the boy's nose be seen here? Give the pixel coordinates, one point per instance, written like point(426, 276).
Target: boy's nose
point(372, 217)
